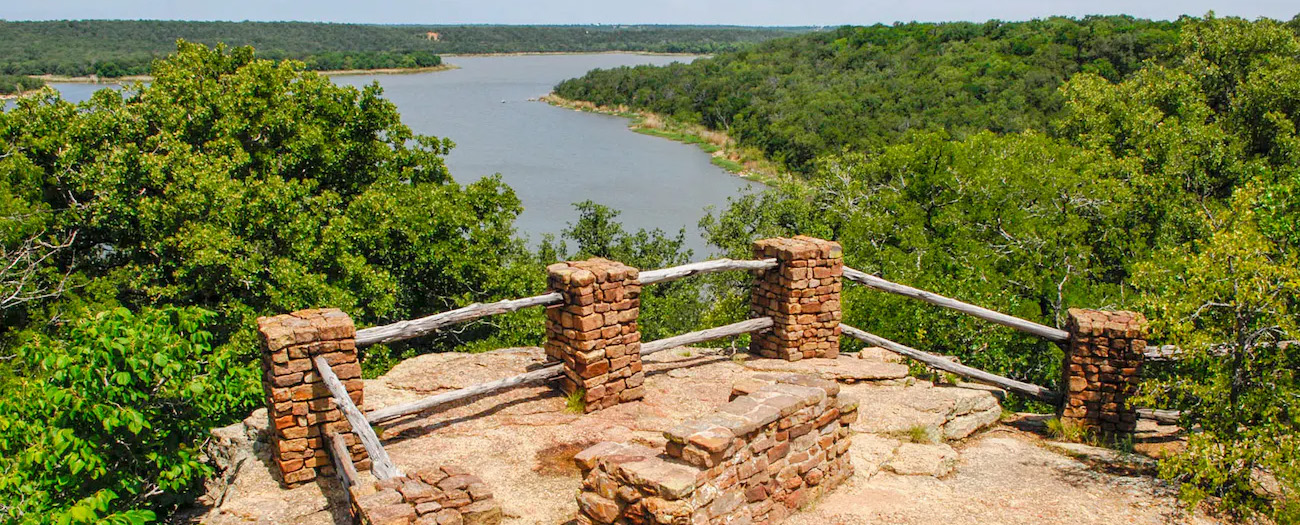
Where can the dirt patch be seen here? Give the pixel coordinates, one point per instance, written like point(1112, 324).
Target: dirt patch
point(557, 460)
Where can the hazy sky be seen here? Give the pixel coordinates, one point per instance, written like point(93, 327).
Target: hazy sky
point(759, 12)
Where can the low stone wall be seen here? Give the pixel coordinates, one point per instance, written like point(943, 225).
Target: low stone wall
point(445, 495)
point(780, 443)
point(1102, 369)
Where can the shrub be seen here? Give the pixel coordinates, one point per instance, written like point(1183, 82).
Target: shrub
point(103, 422)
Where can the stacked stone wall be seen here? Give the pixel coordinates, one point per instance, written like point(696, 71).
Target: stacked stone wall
point(594, 331)
point(779, 444)
point(1102, 369)
point(801, 295)
point(437, 496)
point(301, 410)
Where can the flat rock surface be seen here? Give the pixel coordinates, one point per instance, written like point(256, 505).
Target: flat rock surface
point(943, 412)
point(1004, 477)
point(843, 368)
point(521, 443)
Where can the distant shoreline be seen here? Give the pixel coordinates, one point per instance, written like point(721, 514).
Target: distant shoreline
point(61, 79)
point(743, 162)
point(332, 72)
point(545, 53)
point(13, 96)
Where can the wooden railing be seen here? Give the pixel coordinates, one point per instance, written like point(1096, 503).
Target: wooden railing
point(402, 330)
point(383, 467)
point(1030, 327)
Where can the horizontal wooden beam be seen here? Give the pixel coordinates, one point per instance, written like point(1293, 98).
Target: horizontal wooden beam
point(536, 376)
point(717, 265)
point(934, 361)
point(381, 466)
point(733, 329)
point(417, 327)
point(1046, 332)
point(555, 371)
point(1171, 352)
point(1164, 417)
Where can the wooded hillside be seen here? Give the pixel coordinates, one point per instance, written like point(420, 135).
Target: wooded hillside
point(1035, 167)
point(121, 47)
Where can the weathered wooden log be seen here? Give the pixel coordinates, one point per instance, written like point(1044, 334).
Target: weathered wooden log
point(743, 327)
point(717, 265)
point(555, 371)
point(1164, 417)
point(342, 460)
point(1034, 391)
point(414, 407)
point(417, 327)
point(1046, 332)
point(1171, 352)
point(381, 466)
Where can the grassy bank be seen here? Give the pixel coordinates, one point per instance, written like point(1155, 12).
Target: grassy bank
point(745, 162)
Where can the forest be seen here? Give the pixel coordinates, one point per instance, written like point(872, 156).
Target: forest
point(1028, 167)
point(114, 48)
point(1033, 167)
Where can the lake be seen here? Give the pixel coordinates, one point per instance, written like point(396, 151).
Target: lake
point(552, 157)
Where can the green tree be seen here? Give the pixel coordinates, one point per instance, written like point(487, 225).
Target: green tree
point(102, 422)
point(1230, 302)
point(250, 187)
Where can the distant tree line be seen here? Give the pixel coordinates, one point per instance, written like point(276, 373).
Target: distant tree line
point(11, 84)
point(114, 48)
point(864, 87)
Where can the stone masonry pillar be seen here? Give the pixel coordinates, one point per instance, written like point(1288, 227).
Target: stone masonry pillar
point(301, 410)
point(594, 330)
point(802, 296)
point(1103, 365)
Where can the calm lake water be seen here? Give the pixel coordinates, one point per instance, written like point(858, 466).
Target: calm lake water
point(552, 157)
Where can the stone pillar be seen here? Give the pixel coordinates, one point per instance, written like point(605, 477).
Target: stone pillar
point(1103, 365)
point(301, 409)
point(594, 330)
point(802, 296)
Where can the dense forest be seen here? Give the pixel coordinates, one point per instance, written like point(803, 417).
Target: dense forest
point(112, 48)
point(863, 87)
point(1034, 167)
point(1026, 167)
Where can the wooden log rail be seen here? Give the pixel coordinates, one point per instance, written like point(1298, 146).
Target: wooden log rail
point(409, 329)
point(381, 466)
point(1046, 332)
point(555, 371)
point(417, 327)
point(1034, 391)
point(717, 265)
point(1171, 352)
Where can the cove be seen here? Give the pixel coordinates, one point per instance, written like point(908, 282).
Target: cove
point(554, 157)
point(551, 156)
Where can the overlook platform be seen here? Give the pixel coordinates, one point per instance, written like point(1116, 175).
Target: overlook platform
point(521, 443)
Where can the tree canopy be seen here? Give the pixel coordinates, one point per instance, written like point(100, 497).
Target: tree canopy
point(113, 48)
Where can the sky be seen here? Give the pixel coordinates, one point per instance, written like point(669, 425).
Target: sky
point(738, 12)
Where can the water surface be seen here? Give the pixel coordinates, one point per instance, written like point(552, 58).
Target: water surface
point(552, 157)
point(555, 157)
